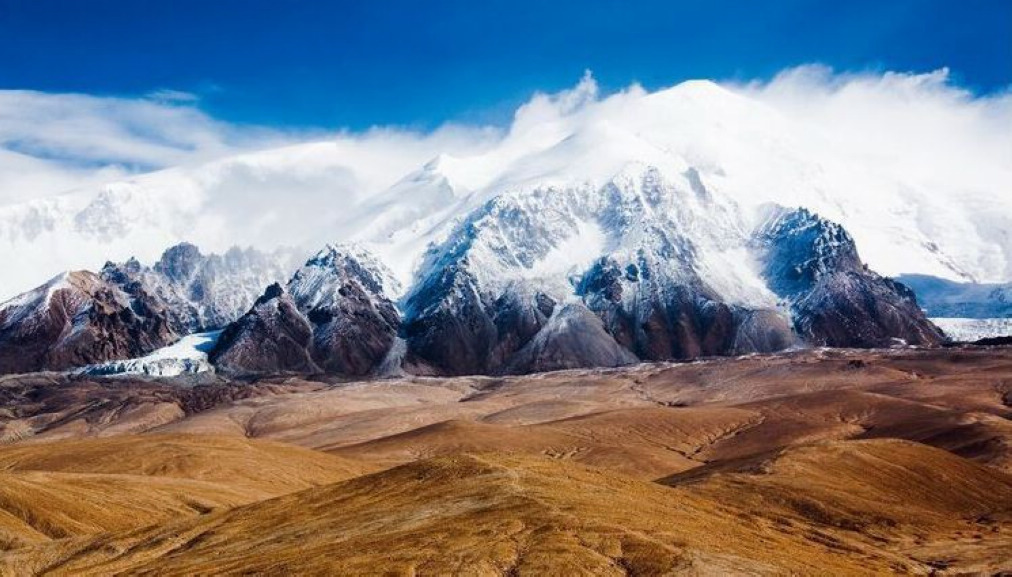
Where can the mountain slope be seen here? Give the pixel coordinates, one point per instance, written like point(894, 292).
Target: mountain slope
point(651, 210)
point(571, 338)
point(271, 337)
point(871, 488)
point(835, 299)
point(204, 292)
point(673, 269)
point(78, 319)
point(670, 270)
point(332, 316)
point(75, 488)
point(482, 294)
point(128, 310)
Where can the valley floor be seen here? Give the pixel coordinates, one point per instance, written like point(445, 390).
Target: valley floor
point(813, 462)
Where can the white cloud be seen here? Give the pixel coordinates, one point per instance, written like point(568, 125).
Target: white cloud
point(52, 142)
point(944, 153)
point(921, 124)
point(71, 195)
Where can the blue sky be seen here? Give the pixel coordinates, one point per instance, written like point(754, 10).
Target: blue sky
point(418, 64)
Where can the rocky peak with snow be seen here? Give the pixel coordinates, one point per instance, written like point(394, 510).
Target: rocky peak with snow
point(180, 263)
point(273, 336)
point(203, 292)
point(833, 297)
point(335, 269)
point(77, 319)
point(799, 248)
point(646, 265)
point(661, 259)
point(672, 268)
point(334, 315)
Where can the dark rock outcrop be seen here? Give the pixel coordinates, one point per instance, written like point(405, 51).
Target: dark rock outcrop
point(457, 329)
point(661, 320)
point(574, 337)
point(272, 337)
point(457, 324)
point(342, 292)
point(78, 319)
point(835, 299)
point(332, 317)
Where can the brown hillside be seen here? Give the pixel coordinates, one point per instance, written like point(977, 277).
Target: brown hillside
point(53, 490)
point(504, 515)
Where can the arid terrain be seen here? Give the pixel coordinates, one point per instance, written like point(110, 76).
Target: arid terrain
point(813, 462)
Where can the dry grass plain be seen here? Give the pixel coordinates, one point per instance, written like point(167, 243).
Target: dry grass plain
point(815, 462)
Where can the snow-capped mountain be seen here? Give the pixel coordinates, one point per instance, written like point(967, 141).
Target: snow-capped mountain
point(649, 267)
point(905, 219)
point(495, 280)
point(688, 222)
point(834, 298)
point(739, 149)
point(334, 315)
point(204, 292)
point(273, 336)
point(128, 310)
point(78, 319)
point(673, 270)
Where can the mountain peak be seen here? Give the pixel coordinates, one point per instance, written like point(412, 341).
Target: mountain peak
point(272, 292)
point(339, 263)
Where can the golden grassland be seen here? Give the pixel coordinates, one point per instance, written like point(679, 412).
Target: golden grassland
point(848, 463)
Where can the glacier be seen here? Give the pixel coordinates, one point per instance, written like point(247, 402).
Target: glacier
point(188, 355)
point(973, 329)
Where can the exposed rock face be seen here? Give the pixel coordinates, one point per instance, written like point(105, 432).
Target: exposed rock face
point(272, 337)
point(763, 331)
point(640, 252)
point(645, 266)
point(333, 317)
point(660, 292)
point(342, 293)
point(128, 309)
point(835, 300)
point(458, 330)
point(78, 319)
